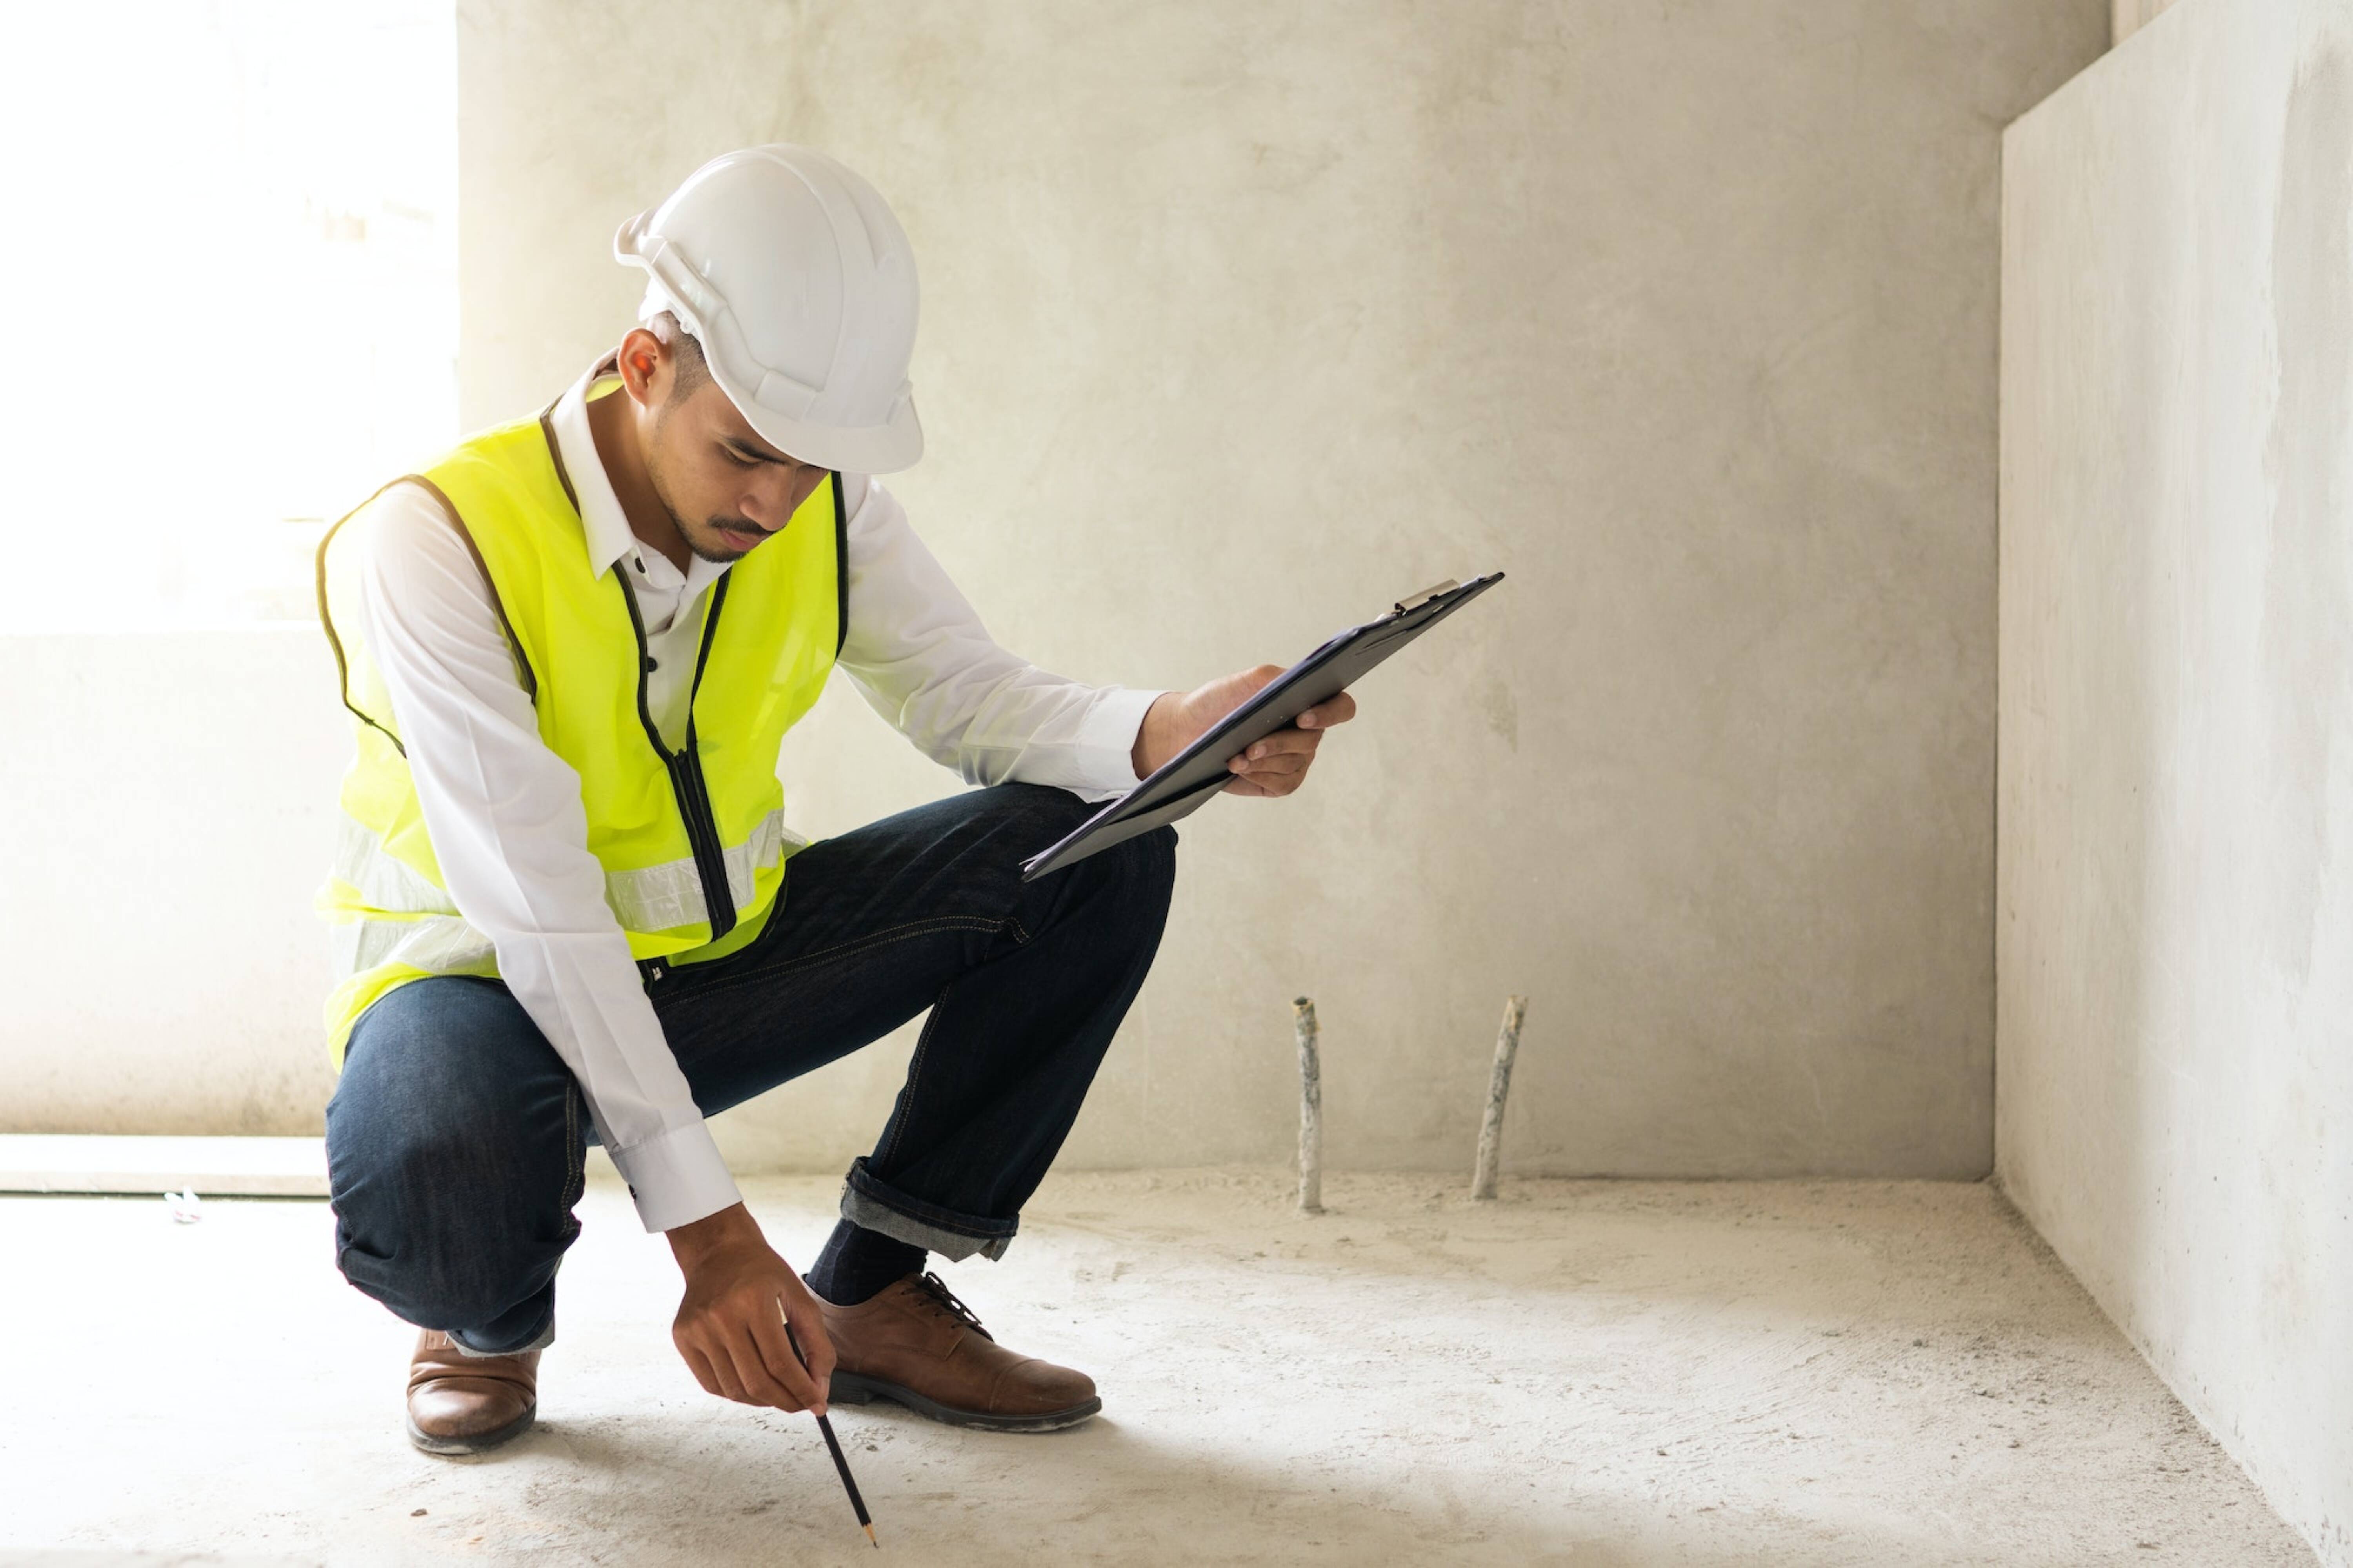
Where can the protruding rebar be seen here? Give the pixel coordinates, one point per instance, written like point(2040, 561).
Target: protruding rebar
point(1499, 1088)
point(1311, 1108)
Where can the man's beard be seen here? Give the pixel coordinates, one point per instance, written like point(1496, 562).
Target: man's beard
point(742, 540)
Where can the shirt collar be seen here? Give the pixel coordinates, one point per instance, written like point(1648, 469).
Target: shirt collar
point(603, 523)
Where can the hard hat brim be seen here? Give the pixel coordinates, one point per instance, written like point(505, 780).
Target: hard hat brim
point(889, 447)
point(873, 449)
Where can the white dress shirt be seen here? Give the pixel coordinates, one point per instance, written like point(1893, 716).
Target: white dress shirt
point(504, 812)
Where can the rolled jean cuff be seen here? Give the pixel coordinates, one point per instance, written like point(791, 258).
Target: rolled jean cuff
point(873, 1204)
point(544, 1338)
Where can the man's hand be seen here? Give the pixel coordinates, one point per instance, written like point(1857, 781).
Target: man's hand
point(731, 1324)
point(1273, 765)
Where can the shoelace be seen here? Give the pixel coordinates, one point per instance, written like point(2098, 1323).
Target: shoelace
point(936, 1290)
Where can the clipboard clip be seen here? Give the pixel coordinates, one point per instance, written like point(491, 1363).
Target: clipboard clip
point(1416, 601)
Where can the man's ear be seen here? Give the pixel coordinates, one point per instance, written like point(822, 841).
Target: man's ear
point(646, 368)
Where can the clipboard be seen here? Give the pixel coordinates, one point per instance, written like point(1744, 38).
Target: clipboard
point(1186, 782)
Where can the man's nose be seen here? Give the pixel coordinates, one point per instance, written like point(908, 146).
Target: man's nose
point(771, 505)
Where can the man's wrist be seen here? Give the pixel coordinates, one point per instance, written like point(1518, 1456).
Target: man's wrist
point(1144, 757)
point(697, 1239)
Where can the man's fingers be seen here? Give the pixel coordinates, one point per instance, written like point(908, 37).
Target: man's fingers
point(1268, 780)
point(716, 1370)
point(816, 1344)
point(768, 1330)
point(701, 1368)
point(727, 1363)
point(762, 1383)
point(1276, 765)
point(1332, 711)
point(1283, 744)
point(1279, 765)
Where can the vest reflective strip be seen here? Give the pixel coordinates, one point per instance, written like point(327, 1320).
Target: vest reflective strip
point(383, 882)
point(660, 897)
point(656, 897)
point(438, 945)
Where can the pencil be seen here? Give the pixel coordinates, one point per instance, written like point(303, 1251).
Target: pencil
point(833, 1446)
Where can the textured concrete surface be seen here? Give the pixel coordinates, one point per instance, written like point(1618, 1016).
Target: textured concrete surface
point(2129, 17)
point(1579, 1374)
point(105, 1559)
point(2176, 934)
point(1240, 322)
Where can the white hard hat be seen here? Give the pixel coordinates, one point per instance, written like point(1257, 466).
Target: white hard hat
point(792, 274)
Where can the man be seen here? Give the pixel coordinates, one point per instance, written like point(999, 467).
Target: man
point(566, 905)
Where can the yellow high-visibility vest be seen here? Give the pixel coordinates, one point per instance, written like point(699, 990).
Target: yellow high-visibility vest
point(692, 842)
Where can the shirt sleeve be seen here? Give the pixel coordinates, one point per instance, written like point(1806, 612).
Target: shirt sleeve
point(918, 654)
point(511, 837)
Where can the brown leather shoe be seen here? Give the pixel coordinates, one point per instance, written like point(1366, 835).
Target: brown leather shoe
point(915, 1344)
point(459, 1404)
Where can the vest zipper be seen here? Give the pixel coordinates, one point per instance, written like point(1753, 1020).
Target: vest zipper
point(685, 764)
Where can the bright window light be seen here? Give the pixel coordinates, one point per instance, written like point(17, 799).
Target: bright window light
point(232, 268)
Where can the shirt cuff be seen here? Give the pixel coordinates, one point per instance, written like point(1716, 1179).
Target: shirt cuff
point(677, 1177)
point(1106, 741)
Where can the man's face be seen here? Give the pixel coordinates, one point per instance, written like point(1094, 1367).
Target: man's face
point(726, 489)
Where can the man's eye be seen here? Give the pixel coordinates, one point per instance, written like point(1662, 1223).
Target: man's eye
point(741, 461)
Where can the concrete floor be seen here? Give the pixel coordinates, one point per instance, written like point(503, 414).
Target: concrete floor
point(1581, 1372)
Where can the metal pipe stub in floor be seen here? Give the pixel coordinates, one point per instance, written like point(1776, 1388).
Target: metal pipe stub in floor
point(1311, 1108)
point(1499, 1088)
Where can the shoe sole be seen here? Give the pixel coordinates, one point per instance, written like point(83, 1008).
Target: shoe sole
point(855, 1388)
point(479, 1443)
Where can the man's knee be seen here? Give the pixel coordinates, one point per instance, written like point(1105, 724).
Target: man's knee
point(413, 1148)
point(1151, 862)
point(1019, 820)
point(449, 1227)
point(1133, 881)
point(453, 1155)
point(1028, 812)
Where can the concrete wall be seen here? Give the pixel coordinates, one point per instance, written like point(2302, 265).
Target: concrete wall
point(2176, 933)
point(2129, 17)
point(1239, 321)
point(167, 806)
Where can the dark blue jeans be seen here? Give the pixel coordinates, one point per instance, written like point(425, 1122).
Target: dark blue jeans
point(455, 1137)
